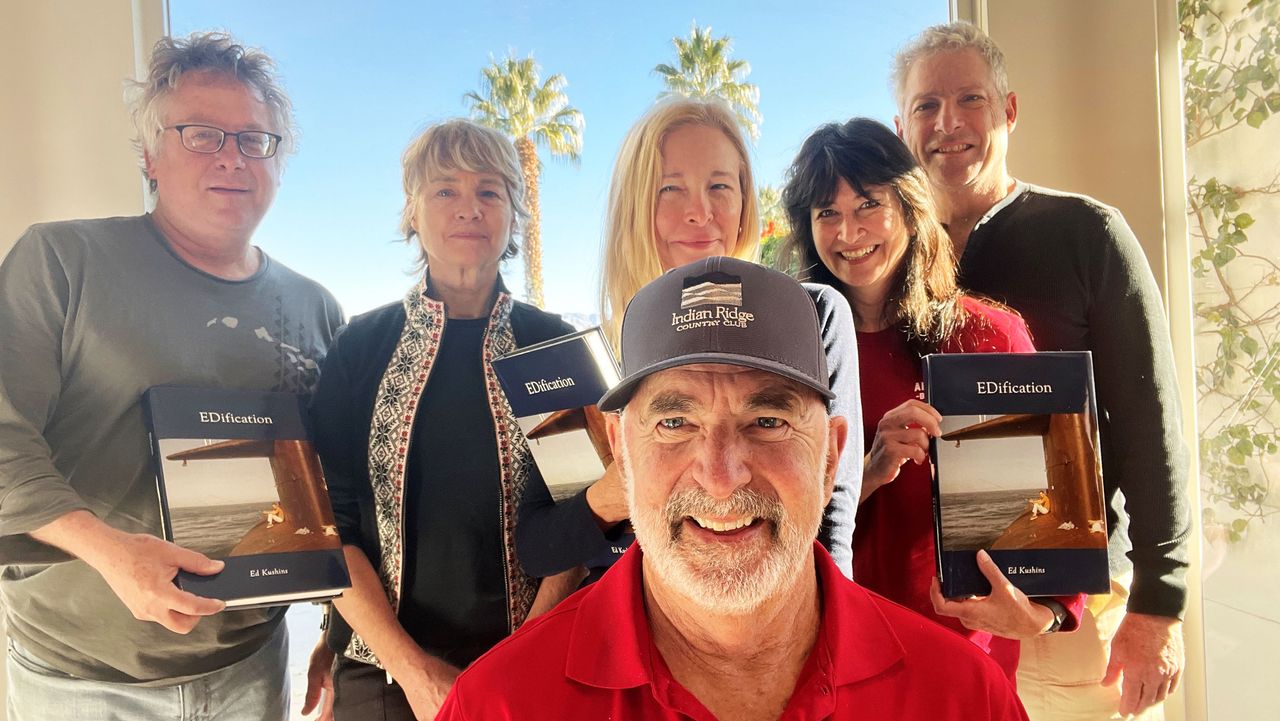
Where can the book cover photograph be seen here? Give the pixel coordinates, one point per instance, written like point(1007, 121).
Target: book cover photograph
point(238, 480)
point(553, 388)
point(1017, 471)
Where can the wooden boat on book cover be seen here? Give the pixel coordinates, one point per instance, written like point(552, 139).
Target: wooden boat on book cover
point(302, 520)
point(1069, 513)
point(588, 418)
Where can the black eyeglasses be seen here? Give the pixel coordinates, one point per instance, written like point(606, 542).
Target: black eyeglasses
point(208, 139)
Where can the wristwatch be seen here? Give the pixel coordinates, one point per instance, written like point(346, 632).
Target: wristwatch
point(1059, 614)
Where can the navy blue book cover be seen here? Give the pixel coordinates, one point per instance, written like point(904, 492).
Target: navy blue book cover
point(1018, 472)
point(553, 388)
point(239, 480)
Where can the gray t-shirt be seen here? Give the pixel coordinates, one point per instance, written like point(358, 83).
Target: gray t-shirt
point(92, 313)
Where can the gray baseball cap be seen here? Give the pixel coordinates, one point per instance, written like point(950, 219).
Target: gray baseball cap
point(721, 310)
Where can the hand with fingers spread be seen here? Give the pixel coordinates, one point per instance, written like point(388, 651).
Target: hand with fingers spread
point(1005, 612)
point(1147, 658)
point(902, 435)
point(138, 567)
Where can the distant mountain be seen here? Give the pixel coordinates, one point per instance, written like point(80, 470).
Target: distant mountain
point(581, 321)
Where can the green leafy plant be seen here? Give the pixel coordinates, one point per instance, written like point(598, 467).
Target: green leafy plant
point(1232, 86)
point(774, 226)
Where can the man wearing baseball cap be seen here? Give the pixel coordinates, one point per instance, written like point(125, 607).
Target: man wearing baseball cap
point(728, 609)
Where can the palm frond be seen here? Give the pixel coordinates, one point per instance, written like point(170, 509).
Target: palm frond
point(513, 98)
point(703, 70)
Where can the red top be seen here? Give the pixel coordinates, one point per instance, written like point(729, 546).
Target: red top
point(893, 546)
point(593, 657)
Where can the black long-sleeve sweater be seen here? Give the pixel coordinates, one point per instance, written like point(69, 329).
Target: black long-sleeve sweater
point(1075, 271)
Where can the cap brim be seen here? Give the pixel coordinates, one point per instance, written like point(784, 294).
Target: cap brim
point(617, 396)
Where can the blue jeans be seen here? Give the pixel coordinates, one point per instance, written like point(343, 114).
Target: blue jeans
point(255, 689)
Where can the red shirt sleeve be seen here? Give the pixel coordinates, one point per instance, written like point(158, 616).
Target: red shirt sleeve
point(452, 708)
point(1075, 611)
point(1018, 336)
point(989, 329)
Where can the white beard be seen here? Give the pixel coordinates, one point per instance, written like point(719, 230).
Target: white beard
point(721, 578)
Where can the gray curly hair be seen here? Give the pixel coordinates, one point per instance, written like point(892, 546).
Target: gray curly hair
point(943, 38)
point(205, 52)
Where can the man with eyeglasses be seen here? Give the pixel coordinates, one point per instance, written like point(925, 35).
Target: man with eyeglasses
point(94, 312)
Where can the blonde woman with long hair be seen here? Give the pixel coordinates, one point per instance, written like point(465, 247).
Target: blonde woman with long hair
point(682, 191)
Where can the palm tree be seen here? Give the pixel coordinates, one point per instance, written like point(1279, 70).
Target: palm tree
point(705, 71)
point(515, 101)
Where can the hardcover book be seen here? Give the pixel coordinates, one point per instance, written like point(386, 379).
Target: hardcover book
point(239, 480)
point(1018, 472)
point(553, 387)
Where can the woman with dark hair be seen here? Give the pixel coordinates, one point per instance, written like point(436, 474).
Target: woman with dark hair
point(863, 221)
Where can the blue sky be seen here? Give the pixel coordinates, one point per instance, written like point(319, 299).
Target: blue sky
point(366, 77)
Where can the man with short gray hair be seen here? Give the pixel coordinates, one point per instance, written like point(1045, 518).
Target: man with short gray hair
point(1075, 271)
point(94, 312)
point(726, 608)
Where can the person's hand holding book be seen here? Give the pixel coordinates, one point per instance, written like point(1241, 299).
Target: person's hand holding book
point(902, 435)
point(138, 567)
point(608, 499)
point(1006, 611)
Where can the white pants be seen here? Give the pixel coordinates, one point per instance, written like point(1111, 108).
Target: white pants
point(1060, 675)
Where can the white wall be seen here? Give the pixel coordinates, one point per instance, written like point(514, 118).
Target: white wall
point(1100, 113)
point(1085, 75)
point(64, 129)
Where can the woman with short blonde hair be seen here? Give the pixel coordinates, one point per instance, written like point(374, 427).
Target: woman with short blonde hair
point(424, 460)
point(461, 145)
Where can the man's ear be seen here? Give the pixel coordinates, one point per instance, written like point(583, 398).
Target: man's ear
point(837, 436)
point(148, 171)
point(1011, 110)
point(897, 127)
point(613, 430)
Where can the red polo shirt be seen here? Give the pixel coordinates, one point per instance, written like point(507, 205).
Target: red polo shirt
point(593, 658)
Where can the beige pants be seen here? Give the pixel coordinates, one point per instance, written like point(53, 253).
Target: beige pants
point(1059, 675)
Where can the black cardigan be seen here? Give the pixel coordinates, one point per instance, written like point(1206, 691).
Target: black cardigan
point(342, 413)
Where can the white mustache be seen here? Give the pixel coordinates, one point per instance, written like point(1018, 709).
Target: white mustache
point(743, 502)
